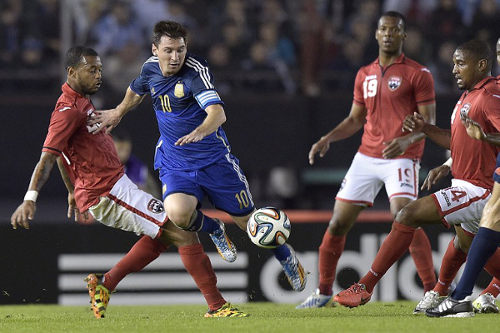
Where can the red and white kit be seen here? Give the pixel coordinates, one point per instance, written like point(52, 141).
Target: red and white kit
point(474, 161)
point(97, 174)
point(389, 95)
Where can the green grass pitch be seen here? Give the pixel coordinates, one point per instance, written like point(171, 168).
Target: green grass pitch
point(265, 317)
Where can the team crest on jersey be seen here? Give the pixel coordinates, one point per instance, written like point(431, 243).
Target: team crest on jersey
point(394, 82)
point(155, 206)
point(179, 90)
point(464, 111)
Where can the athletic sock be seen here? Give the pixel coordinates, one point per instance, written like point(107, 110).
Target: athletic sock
point(493, 288)
point(281, 252)
point(144, 251)
point(483, 246)
point(330, 250)
point(198, 265)
point(203, 223)
point(453, 259)
point(492, 265)
point(393, 248)
point(421, 252)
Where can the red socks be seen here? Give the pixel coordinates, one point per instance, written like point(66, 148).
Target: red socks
point(453, 259)
point(140, 255)
point(393, 248)
point(421, 252)
point(329, 253)
point(493, 288)
point(199, 267)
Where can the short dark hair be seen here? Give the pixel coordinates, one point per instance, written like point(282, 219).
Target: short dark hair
point(75, 55)
point(168, 28)
point(397, 15)
point(479, 50)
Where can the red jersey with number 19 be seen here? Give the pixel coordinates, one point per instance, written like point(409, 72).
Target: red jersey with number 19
point(93, 161)
point(475, 160)
point(389, 95)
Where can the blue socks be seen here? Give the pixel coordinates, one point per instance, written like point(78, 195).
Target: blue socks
point(281, 252)
point(482, 248)
point(203, 223)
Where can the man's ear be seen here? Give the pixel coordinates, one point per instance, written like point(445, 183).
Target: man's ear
point(482, 65)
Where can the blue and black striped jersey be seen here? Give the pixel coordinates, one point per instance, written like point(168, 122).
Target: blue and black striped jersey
point(179, 102)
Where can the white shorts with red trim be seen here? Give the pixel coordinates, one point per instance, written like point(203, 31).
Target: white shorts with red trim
point(367, 175)
point(128, 208)
point(462, 204)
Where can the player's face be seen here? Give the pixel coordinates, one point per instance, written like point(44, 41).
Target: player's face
point(171, 54)
point(89, 75)
point(465, 69)
point(390, 34)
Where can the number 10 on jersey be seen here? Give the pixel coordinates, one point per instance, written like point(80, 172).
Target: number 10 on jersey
point(165, 103)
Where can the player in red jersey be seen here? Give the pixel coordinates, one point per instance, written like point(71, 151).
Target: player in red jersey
point(97, 183)
point(460, 205)
point(385, 92)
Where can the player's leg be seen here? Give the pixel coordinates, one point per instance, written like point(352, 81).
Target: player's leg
point(401, 183)
point(359, 188)
point(198, 265)
point(182, 199)
point(330, 250)
point(131, 209)
point(453, 259)
point(420, 212)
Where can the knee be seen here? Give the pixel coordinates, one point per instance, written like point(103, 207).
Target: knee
point(406, 216)
point(339, 227)
point(180, 217)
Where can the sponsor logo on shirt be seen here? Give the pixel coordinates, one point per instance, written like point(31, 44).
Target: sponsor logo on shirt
point(155, 206)
point(179, 90)
point(64, 109)
point(394, 82)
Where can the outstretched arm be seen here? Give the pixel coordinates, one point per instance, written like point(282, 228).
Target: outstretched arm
point(416, 123)
point(399, 145)
point(350, 125)
point(109, 119)
point(26, 211)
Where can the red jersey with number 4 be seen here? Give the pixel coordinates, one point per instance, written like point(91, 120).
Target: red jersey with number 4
point(389, 95)
point(475, 160)
point(93, 164)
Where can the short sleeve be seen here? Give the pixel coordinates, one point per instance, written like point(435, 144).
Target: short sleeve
point(491, 108)
point(64, 122)
point(140, 84)
point(424, 87)
point(203, 89)
point(358, 89)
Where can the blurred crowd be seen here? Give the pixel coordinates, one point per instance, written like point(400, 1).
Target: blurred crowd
point(288, 46)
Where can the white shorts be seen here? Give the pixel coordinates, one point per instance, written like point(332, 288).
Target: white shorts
point(367, 175)
point(128, 208)
point(462, 204)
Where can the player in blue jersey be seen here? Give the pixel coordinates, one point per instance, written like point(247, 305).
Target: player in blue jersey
point(193, 155)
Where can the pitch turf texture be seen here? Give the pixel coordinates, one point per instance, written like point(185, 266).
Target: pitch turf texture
point(265, 317)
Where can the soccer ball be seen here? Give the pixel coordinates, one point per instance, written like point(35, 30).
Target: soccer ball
point(268, 227)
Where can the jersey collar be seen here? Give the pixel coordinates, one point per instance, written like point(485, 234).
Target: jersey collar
point(481, 83)
point(399, 60)
point(66, 89)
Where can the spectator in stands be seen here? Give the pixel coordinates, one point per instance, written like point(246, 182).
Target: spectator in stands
point(10, 31)
point(445, 24)
point(486, 21)
point(116, 29)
